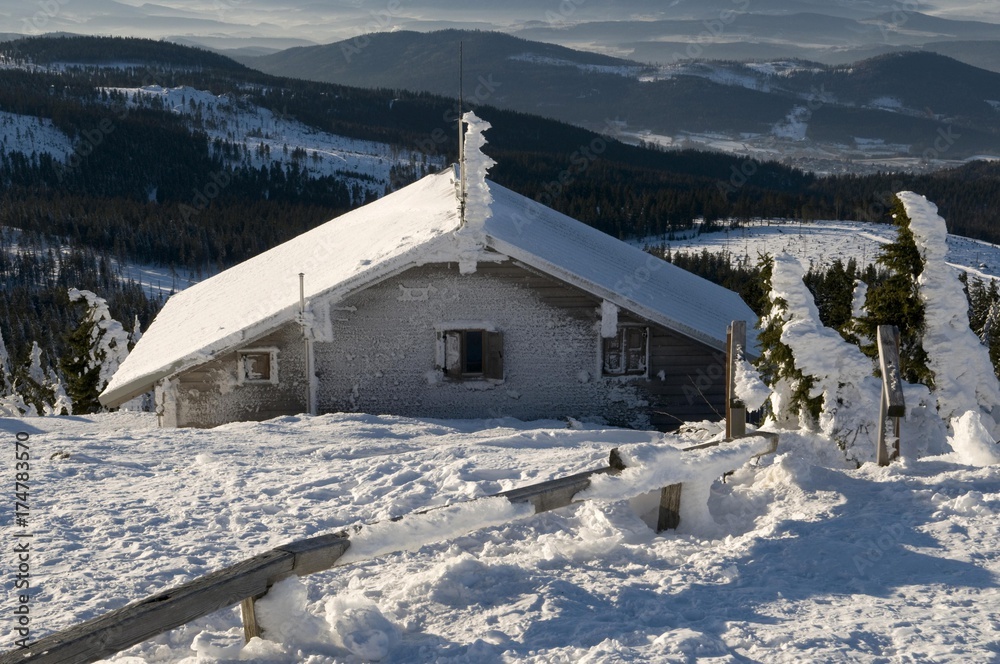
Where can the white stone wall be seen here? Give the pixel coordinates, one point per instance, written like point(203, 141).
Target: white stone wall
point(382, 356)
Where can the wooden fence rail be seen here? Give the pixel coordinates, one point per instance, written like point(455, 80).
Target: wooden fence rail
point(249, 580)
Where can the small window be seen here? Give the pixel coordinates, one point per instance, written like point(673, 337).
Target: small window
point(625, 353)
point(471, 354)
point(257, 365)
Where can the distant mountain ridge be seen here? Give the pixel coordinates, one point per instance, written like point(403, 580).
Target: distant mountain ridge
point(896, 102)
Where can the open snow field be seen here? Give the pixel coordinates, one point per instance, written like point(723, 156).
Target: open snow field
point(803, 558)
point(819, 243)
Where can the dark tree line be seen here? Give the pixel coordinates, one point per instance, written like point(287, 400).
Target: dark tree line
point(35, 278)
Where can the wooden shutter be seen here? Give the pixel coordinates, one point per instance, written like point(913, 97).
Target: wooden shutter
point(635, 350)
point(613, 354)
point(453, 354)
point(493, 355)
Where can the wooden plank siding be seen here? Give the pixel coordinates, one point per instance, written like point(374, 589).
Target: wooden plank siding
point(208, 394)
point(693, 386)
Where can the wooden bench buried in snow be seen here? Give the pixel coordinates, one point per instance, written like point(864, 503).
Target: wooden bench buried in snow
point(250, 579)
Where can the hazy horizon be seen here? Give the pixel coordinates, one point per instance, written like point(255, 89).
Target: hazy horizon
point(275, 24)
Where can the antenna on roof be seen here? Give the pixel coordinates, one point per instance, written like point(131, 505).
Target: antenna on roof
point(461, 141)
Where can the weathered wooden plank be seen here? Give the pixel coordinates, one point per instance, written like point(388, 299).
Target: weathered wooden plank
point(552, 494)
point(316, 553)
point(769, 435)
point(309, 556)
point(670, 508)
point(891, 403)
point(888, 355)
point(248, 611)
point(736, 412)
point(142, 620)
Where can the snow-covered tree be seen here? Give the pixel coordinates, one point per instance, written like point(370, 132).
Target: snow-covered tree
point(838, 375)
point(32, 386)
point(792, 402)
point(11, 403)
point(960, 365)
point(97, 346)
point(896, 301)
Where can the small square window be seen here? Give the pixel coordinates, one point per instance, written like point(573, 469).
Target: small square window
point(471, 354)
point(257, 365)
point(625, 353)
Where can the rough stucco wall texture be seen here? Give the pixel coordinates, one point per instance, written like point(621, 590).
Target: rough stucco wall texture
point(384, 351)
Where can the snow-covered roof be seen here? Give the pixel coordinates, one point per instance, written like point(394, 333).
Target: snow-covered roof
point(416, 225)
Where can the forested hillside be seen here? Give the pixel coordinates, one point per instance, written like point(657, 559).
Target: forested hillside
point(123, 151)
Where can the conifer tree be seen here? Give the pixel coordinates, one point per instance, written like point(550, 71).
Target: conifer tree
point(6, 380)
point(96, 348)
point(32, 386)
point(790, 402)
point(895, 301)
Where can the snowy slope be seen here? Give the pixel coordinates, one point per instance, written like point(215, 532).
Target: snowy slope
point(269, 136)
point(819, 243)
point(28, 134)
point(803, 559)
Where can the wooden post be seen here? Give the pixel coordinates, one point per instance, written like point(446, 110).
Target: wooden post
point(891, 402)
point(249, 612)
point(670, 508)
point(736, 412)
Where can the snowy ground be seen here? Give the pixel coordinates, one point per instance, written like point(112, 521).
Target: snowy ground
point(819, 243)
point(804, 558)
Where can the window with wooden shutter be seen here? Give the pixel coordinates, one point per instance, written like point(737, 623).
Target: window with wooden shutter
point(472, 354)
point(625, 353)
point(494, 356)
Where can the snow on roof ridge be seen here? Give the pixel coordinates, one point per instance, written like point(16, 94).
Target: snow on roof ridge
point(417, 225)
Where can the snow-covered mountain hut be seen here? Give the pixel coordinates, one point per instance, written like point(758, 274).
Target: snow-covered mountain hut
point(418, 305)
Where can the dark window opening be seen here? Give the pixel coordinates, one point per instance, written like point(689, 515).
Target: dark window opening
point(625, 353)
point(472, 354)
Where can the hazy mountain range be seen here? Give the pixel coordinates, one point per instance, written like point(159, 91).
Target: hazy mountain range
point(648, 30)
point(910, 109)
